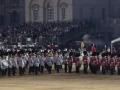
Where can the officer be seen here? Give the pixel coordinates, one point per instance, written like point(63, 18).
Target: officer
point(58, 63)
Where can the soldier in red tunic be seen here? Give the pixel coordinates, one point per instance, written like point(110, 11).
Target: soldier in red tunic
point(70, 62)
point(118, 64)
point(85, 63)
point(103, 63)
point(112, 64)
point(77, 62)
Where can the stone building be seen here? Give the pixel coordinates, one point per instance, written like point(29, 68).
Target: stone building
point(19, 11)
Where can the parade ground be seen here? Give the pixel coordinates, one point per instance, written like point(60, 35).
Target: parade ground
point(62, 81)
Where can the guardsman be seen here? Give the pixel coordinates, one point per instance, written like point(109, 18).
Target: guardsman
point(4, 66)
point(42, 63)
point(103, 63)
point(36, 64)
point(78, 62)
point(70, 62)
point(65, 58)
point(108, 62)
point(118, 64)
point(58, 63)
point(94, 64)
point(112, 64)
point(85, 62)
point(14, 65)
point(49, 64)
point(31, 63)
point(98, 61)
point(21, 65)
point(9, 66)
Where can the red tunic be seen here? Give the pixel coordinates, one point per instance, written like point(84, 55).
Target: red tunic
point(112, 62)
point(70, 60)
point(85, 60)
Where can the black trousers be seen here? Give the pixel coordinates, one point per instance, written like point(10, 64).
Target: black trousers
point(13, 70)
point(112, 70)
point(36, 70)
point(65, 67)
point(118, 69)
point(77, 69)
point(41, 69)
point(85, 71)
point(9, 71)
point(103, 70)
point(94, 69)
point(49, 69)
point(24, 70)
point(20, 71)
point(70, 68)
point(31, 69)
point(58, 67)
point(3, 72)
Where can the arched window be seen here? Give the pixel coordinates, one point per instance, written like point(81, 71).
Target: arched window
point(35, 12)
point(50, 12)
point(63, 10)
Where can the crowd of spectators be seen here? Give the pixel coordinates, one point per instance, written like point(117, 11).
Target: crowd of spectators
point(39, 29)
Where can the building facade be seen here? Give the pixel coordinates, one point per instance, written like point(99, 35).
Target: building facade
point(19, 11)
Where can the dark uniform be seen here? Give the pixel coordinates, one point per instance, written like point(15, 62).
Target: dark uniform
point(85, 63)
point(118, 64)
point(70, 62)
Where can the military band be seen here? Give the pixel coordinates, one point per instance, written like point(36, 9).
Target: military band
point(37, 63)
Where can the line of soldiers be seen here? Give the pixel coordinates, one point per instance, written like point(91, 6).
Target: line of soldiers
point(11, 63)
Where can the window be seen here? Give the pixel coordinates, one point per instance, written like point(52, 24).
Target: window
point(103, 13)
point(14, 17)
point(1, 2)
point(35, 12)
point(35, 15)
point(63, 11)
point(50, 12)
point(92, 11)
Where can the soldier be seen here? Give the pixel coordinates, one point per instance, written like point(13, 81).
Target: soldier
point(94, 64)
point(112, 64)
point(70, 62)
point(21, 65)
point(14, 65)
point(118, 64)
point(9, 66)
point(85, 63)
point(49, 64)
point(42, 63)
point(4, 66)
point(36, 64)
point(103, 63)
point(98, 61)
point(78, 62)
point(30, 63)
point(58, 63)
point(108, 62)
point(66, 55)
